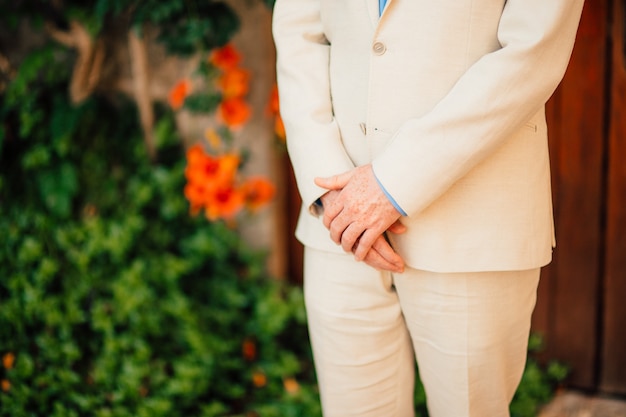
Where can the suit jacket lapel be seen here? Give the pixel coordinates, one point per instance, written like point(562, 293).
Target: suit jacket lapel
point(372, 8)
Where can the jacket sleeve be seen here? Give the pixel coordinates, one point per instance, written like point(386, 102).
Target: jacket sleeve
point(494, 98)
point(313, 139)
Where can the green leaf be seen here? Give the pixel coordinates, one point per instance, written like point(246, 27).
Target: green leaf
point(58, 187)
point(30, 250)
point(2, 136)
point(37, 157)
point(202, 102)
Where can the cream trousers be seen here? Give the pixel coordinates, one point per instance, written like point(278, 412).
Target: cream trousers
point(468, 331)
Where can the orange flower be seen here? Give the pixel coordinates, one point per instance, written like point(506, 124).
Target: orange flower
point(228, 165)
point(225, 57)
point(258, 191)
point(179, 93)
point(273, 105)
point(234, 82)
point(195, 154)
point(203, 171)
point(248, 349)
point(6, 385)
point(291, 385)
point(273, 108)
point(208, 170)
point(234, 112)
point(224, 202)
point(279, 128)
point(8, 360)
point(210, 183)
point(259, 379)
point(196, 194)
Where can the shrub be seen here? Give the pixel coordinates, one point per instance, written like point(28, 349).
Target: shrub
point(113, 300)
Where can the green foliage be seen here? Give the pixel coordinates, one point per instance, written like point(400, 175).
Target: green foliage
point(114, 301)
point(202, 102)
point(185, 26)
point(538, 382)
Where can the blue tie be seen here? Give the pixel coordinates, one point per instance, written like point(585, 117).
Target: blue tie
point(381, 6)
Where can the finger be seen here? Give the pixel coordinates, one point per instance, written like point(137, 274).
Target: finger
point(349, 237)
point(331, 211)
point(375, 260)
point(336, 182)
point(379, 257)
point(366, 240)
point(328, 197)
point(338, 228)
point(386, 251)
point(397, 227)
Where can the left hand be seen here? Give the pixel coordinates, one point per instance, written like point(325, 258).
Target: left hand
point(360, 213)
point(382, 256)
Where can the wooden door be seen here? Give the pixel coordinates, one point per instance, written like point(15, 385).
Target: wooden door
point(580, 307)
point(613, 353)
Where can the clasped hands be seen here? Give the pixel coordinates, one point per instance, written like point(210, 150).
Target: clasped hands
point(357, 213)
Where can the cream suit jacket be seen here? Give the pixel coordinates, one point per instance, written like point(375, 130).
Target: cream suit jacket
point(446, 99)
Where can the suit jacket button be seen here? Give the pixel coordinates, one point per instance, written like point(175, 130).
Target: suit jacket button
point(379, 48)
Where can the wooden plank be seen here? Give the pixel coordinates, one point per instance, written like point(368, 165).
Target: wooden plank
point(613, 376)
point(579, 197)
point(295, 249)
point(544, 314)
point(543, 311)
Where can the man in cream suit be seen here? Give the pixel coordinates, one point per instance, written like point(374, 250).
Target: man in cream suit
point(419, 143)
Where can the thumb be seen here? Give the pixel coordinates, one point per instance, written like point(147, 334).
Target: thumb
point(397, 227)
point(335, 182)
